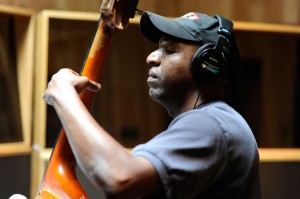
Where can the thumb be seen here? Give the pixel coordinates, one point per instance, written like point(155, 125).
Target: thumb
point(83, 82)
point(93, 86)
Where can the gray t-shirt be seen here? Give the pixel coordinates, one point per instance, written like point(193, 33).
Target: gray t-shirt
point(208, 152)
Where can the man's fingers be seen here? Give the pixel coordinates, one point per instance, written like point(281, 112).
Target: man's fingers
point(72, 71)
point(85, 83)
point(94, 86)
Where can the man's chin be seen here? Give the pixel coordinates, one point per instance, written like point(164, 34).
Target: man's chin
point(154, 94)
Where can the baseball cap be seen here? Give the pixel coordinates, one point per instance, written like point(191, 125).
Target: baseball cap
point(193, 26)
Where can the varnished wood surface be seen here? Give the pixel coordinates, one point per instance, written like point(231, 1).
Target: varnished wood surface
point(279, 11)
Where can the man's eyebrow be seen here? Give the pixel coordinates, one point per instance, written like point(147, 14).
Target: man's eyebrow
point(167, 41)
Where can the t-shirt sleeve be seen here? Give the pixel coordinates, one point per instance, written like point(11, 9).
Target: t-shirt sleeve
point(189, 156)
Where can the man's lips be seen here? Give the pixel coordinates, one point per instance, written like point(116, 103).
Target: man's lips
point(152, 76)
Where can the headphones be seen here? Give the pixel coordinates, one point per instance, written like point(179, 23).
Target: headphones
point(211, 60)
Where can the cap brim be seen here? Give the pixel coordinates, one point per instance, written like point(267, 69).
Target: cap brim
point(153, 26)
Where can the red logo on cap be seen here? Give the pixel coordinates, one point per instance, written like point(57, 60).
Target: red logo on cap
point(191, 16)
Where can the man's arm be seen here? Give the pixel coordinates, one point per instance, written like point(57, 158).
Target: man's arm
point(105, 162)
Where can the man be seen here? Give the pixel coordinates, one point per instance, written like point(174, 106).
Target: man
point(208, 150)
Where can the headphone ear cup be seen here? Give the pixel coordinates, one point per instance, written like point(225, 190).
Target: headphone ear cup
point(200, 73)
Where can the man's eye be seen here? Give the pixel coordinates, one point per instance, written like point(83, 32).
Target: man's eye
point(169, 51)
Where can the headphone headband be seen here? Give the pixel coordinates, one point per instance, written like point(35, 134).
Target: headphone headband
point(225, 26)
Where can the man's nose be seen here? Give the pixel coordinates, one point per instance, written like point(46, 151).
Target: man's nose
point(154, 58)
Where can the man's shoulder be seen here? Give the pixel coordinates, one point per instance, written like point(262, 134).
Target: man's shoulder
point(207, 112)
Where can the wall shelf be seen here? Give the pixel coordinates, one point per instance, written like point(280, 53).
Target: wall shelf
point(266, 27)
point(279, 155)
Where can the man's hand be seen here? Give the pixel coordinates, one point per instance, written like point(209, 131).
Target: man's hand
point(66, 82)
point(118, 12)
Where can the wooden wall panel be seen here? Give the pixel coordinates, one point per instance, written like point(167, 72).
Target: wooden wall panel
point(279, 11)
point(277, 56)
point(16, 62)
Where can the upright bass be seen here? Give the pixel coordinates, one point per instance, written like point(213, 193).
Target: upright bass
point(59, 180)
